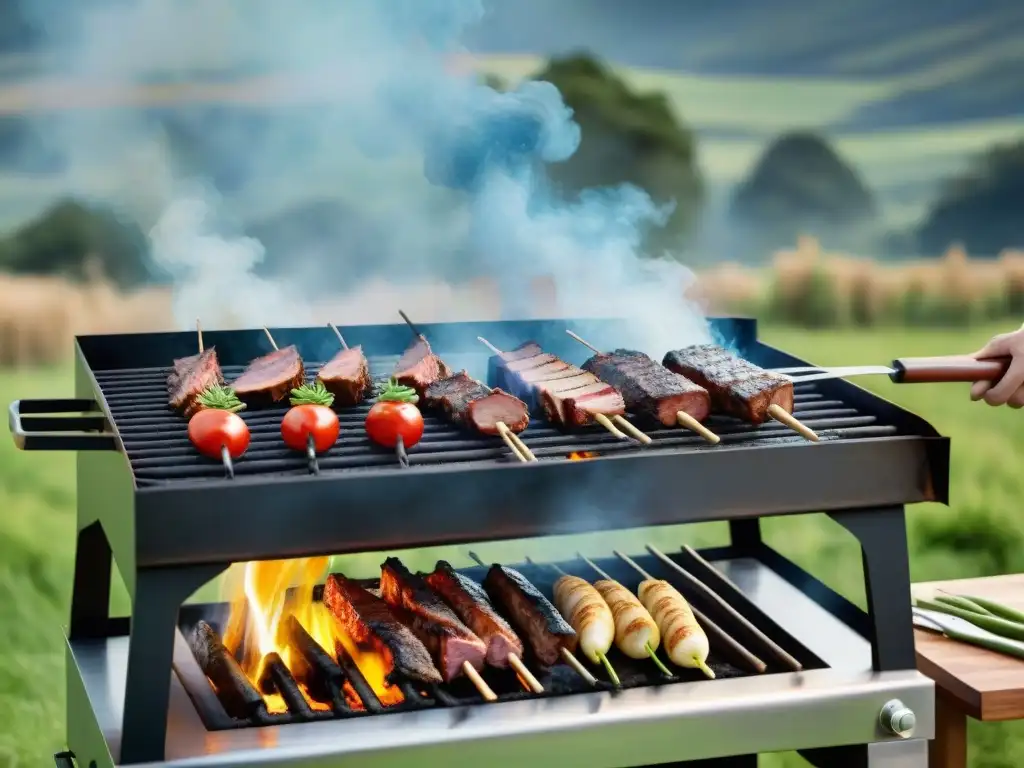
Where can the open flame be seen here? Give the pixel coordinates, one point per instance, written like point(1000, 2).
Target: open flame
point(583, 455)
point(259, 608)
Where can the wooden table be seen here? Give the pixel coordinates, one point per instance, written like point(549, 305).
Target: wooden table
point(969, 681)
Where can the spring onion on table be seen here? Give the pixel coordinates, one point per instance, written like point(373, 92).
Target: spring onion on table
point(965, 632)
point(995, 624)
point(998, 609)
point(963, 602)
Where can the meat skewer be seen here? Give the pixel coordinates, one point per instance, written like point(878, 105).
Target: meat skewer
point(470, 602)
point(588, 613)
point(549, 635)
point(192, 376)
point(649, 386)
point(636, 632)
point(271, 377)
point(737, 386)
point(566, 389)
point(347, 374)
point(456, 650)
point(461, 398)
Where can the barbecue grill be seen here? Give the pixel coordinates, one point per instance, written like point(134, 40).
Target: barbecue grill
point(173, 520)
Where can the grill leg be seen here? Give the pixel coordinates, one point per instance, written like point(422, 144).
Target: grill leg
point(882, 534)
point(745, 534)
point(90, 595)
point(159, 593)
point(911, 753)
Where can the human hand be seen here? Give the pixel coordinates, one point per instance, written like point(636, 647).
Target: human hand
point(1009, 390)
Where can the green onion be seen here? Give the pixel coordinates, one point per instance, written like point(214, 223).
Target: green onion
point(963, 603)
point(1003, 611)
point(997, 644)
point(994, 624)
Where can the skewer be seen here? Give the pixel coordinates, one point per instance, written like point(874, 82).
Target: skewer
point(412, 326)
point(225, 457)
point(684, 419)
point(478, 682)
point(601, 657)
point(706, 623)
point(600, 418)
point(199, 332)
point(766, 641)
point(337, 333)
point(314, 465)
point(650, 650)
point(517, 664)
point(783, 416)
point(269, 336)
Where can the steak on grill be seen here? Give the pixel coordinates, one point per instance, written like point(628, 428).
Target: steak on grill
point(270, 378)
point(531, 614)
point(369, 621)
point(523, 351)
point(736, 386)
point(449, 641)
point(650, 389)
point(347, 377)
point(190, 377)
point(419, 367)
point(471, 604)
point(469, 403)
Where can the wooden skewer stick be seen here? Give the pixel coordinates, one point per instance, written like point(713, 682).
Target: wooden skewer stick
point(478, 682)
point(684, 419)
point(337, 333)
point(783, 416)
point(707, 624)
point(766, 641)
point(199, 332)
point(269, 336)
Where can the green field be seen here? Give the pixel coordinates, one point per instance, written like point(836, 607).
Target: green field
point(981, 533)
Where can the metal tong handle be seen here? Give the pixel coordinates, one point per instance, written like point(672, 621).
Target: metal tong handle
point(947, 370)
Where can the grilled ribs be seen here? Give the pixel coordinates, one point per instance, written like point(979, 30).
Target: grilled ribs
point(568, 395)
point(190, 377)
point(419, 367)
point(736, 386)
point(471, 604)
point(369, 621)
point(270, 378)
point(467, 402)
point(450, 642)
point(650, 389)
point(531, 614)
point(347, 377)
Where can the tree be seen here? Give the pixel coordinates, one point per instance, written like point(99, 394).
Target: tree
point(801, 185)
point(627, 137)
point(981, 208)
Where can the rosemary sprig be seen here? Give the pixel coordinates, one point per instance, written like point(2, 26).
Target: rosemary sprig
point(220, 398)
point(393, 392)
point(312, 394)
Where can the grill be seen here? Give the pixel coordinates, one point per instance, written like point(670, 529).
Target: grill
point(172, 521)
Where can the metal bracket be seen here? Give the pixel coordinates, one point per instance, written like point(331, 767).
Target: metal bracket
point(64, 759)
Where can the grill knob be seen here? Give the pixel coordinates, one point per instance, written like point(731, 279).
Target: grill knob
point(897, 718)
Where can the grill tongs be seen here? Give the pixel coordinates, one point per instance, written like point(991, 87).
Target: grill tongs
point(911, 370)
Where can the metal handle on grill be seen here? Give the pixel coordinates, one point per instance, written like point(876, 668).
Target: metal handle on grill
point(948, 370)
point(35, 426)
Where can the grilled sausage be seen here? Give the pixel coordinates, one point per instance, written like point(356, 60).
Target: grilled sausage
point(635, 629)
point(685, 641)
point(588, 614)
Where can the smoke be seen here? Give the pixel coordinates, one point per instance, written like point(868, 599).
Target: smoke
point(435, 176)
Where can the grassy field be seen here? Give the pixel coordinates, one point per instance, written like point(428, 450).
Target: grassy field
point(980, 533)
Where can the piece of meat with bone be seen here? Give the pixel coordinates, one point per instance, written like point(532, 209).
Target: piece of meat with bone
point(450, 642)
point(736, 386)
point(419, 367)
point(535, 618)
point(649, 389)
point(271, 378)
point(470, 602)
point(190, 377)
point(369, 621)
point(469, 403)
point(347, 377)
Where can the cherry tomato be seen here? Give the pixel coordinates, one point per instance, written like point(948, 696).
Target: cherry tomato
point(388, 419)
point(308, 419)
point(211, 429)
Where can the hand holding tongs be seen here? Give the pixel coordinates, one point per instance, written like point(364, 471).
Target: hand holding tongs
point(912, 370)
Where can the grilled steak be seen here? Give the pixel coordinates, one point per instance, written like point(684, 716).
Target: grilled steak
point(369, 621)
point(531, 614)
point(419, 367)
point(466, 401)
point(347, 377)
point(736, 386)
point(470, 603)
point(449, 641)
point(190, 376)
point(270, 378)
point(649, 389)
point(523, 351)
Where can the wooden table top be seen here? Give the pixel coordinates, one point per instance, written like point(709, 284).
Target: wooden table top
point(990, 686)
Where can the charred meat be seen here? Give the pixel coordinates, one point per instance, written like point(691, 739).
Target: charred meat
point(736, 386)
point(370, 622)
point(471, 604)
point(531, 614)
point(450, 642)
point(190, 377)
point(347, 377)
point(650, 389)
point(270, 378)
point(467, 402)
point(419, 367)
